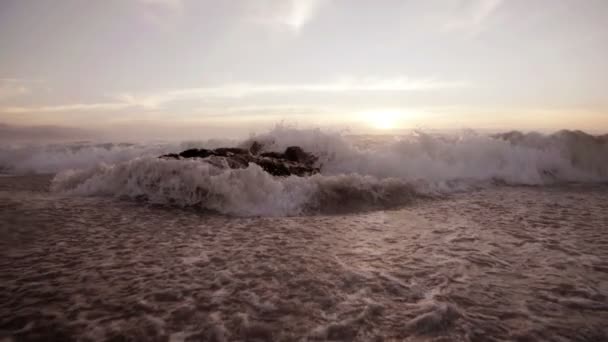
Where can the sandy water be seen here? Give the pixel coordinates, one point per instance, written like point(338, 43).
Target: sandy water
point(500, 264)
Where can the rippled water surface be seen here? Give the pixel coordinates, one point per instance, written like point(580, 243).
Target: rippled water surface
point(501, 264)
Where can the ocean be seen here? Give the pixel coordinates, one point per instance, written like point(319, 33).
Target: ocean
point(416, 237)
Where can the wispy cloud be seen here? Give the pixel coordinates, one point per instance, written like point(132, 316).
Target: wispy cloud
point(231, 92)
point(162, 12)
point(290, 14)
point(343, 86)
point(20, 80)
point(173, 5)
point(14, 87)
point(471, 15)
point(108, 106)
point(8, 91)
point(300, 13)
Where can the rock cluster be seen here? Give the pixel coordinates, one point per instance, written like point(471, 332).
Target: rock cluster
point(293, 161)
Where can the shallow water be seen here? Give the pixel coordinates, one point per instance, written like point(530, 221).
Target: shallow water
point(500, 264)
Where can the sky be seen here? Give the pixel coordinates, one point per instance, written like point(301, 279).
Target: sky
point(370, 65)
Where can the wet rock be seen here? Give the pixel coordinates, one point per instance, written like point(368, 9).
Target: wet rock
point(256, 148)
point(293, 161)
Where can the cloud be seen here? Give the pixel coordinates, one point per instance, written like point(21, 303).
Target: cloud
point(173, 5)
point(300, 13)
point(41, 132)
point(109, 106)
point(13, 87)
point(471, 16)
point(150, 101)
point(290, 14)
point(162, 12)
point(238, 90)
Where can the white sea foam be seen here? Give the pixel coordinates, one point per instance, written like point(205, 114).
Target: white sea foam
point(512, 158)
point(42, 158)
point(356, 173)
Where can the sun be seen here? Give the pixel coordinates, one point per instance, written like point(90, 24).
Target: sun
point(383, 119)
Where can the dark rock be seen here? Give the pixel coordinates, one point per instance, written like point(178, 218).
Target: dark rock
point(275, 155)
point(294, 161)
point(275, 167)
point(296, 154)
point(227, 151)
point(195, 153)
point(256, 148)
point(171, 156)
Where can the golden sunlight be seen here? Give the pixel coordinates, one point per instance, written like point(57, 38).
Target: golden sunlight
point(383, 119)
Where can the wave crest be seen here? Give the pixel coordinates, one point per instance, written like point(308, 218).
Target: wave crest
point(242, 192)
point(356, 172)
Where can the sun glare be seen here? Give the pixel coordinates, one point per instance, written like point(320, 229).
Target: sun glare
point(383, 119)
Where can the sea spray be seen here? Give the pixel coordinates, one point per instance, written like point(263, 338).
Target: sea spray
point(356, 173)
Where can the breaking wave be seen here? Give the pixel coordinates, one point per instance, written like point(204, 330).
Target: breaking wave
point(356, 172)
point(243, 192)
point(53, 158)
